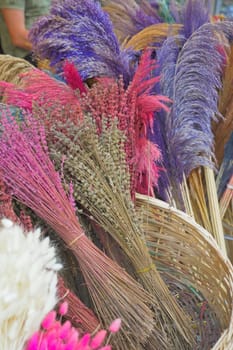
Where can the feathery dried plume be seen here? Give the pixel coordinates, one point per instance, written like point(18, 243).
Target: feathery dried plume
point(28, 283)
point(40, 90)
point(134, 108)
point(130, 17)
point(193, 14)
point(195, 98)
point(152, 36)
point(164, 11)
point(30, 174)
point(80, 32)
point(11, 68)
point(96, 166)
point(73, 78)
point(193, 86)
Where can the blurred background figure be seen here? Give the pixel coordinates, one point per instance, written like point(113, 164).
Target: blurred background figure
point(16, 18)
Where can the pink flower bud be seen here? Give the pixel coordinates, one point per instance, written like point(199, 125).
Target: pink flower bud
point(115, 326)
point(63, 308)
point(33, 342)
point(98, 339)
point(49, 320)
point(65, 330)
point(83, 342)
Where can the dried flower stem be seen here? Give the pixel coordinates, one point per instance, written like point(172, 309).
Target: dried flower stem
point(78, 313)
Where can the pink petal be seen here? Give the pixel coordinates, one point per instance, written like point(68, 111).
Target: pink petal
point(49, 320)
point(115, 326)
point(63, 308)
point(98, 339)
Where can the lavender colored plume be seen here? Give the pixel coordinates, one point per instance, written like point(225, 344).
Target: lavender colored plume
point(80, 32)
point(195, 95)
point(194, 14)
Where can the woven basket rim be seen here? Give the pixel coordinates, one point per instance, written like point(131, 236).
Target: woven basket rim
point(225, 342)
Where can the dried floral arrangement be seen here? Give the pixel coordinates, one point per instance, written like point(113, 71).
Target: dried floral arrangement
point(59, 336)
point(44, 187)
point(141, 105)
point(112, 134)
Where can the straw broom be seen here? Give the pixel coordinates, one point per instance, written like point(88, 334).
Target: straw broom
point(31, 176)
point(96, 166)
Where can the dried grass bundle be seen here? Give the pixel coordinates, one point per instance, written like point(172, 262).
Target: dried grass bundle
point(30, 174)
point(11, 67)
point(96, 166)
point(6, 208)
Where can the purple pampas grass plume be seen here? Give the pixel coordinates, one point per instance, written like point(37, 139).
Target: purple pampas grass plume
point(130, 17)
point(195, 13)
point(196, 83)
point(80, 32)
point(192, 81)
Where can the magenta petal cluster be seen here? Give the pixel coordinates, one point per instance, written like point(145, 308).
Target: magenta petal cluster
point(55, 335)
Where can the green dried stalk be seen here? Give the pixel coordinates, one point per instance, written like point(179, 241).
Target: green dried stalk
point(96, 166)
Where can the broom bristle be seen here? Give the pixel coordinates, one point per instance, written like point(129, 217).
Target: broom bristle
point(78, 313)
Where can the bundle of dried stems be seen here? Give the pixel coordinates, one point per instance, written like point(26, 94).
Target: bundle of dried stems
point(95, 163)
point(30, 174)
point(78, 313)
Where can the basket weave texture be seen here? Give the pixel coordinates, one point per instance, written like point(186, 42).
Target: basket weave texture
point(186, 251)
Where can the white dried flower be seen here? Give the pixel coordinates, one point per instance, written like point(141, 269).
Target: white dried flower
point(28, 279)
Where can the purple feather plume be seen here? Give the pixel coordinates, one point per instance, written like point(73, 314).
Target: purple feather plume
point(195, 95)
point(194, 14)
point(80, 32)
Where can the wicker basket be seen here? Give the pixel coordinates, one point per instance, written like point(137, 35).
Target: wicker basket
point(187, 255)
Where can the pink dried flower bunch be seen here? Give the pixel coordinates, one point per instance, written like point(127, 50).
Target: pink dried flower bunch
point(134, 107)
point(6, 208)
point(54, 335)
